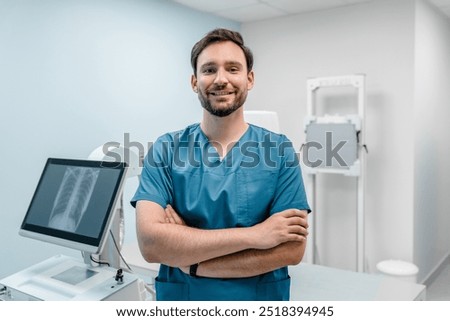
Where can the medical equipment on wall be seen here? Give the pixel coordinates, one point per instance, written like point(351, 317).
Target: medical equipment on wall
point(320, 152)
point(73, 206)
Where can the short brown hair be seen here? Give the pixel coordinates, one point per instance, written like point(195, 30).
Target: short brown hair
point(220, 35)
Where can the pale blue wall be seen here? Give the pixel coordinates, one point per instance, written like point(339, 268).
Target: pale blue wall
point(75, 74)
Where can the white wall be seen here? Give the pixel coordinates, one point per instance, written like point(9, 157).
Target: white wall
point(76, 74)
point(377, 39)
point(432, 154)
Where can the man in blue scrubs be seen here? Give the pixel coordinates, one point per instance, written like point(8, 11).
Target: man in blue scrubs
point(221, 204)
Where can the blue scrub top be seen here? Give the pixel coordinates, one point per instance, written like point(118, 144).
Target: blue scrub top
point(258, 177)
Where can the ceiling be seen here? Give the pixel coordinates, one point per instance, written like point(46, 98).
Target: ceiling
point(254, 10)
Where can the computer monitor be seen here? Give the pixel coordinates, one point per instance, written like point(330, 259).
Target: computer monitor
point(74, 203)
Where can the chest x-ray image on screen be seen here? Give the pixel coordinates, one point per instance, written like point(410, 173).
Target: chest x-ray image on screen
point(73, 198)
point(74, 203)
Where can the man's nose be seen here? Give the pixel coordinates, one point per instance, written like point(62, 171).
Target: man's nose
point(221, 77)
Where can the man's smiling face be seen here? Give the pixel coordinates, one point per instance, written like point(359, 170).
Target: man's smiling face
point(222, 79)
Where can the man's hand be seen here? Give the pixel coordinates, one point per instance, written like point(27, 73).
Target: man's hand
point(172, 216)
point(288, 225)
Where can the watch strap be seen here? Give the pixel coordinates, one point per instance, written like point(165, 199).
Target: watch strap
point(193, 270)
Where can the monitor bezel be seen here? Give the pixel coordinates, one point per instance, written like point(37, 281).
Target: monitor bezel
point(93, 245)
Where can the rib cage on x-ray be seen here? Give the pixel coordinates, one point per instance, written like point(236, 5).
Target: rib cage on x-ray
point(73, 198)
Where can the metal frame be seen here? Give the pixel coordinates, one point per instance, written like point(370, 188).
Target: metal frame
point(358, 170)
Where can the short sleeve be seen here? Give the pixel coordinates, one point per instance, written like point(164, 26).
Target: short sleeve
point(290, 190)
point(156, 182)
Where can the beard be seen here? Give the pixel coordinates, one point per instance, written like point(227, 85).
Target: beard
point(208, 105)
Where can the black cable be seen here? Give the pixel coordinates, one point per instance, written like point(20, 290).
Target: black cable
point(118, 251)
point(99, 262)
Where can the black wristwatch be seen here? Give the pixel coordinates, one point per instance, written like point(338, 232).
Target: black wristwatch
point(193, 270)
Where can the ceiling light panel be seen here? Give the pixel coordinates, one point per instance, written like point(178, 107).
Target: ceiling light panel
point(303, 5)
point(252, 13)
point(355, 1)
point(216, 5)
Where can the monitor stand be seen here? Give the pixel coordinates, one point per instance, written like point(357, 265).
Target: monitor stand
point(65, 278)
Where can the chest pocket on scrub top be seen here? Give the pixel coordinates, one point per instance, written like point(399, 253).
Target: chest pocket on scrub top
point(255, 190)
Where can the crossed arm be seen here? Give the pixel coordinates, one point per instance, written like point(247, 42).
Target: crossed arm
point(227, 253)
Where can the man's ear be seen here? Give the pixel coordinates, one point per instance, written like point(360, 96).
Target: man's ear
point(250, 80)
point(194, 83)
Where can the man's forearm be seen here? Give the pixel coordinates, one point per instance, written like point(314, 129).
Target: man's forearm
point(250, 263)
point(177, 245)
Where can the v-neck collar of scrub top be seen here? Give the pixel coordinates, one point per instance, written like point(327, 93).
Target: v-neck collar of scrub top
point(211, 147)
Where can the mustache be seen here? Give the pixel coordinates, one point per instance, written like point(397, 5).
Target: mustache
point(220, 91)
point(219, 87)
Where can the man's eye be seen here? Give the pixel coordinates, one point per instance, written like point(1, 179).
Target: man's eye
point(209, 71)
